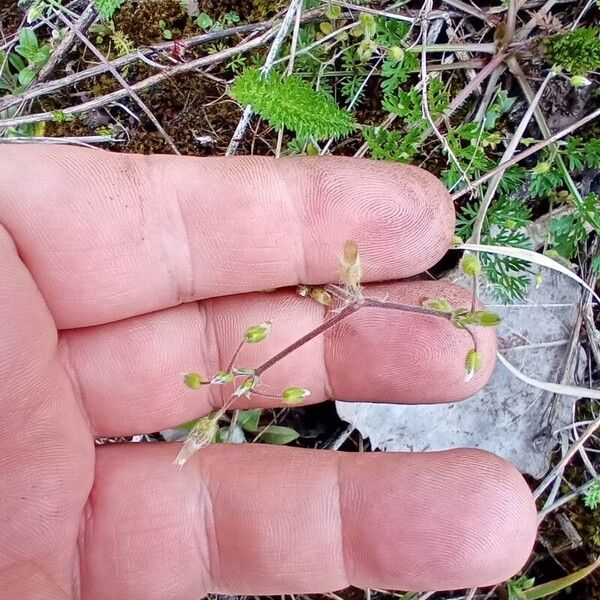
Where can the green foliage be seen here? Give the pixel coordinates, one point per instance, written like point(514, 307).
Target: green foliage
point(523, 588)
point(107, 8)
point(548, 176)
point(204, 21)
point(248, 419)
point(277, 434)
point(22, 65)
point(408, 105)
point(516, 587)
point(292, 103)
point(576, 52)
point(591, 498)
point(570, 230)
point(392, 145)
point(504, 225)
point(166, 32)
point(395, 72)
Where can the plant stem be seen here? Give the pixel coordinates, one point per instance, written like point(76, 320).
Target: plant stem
point(343, 314)
point(235, 355)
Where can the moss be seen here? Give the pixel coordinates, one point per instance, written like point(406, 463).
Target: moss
point(139, 20)
point(577, 52)
point(10, 17)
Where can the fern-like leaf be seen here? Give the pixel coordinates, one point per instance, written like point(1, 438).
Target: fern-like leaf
point(106, 8)
point(293, 104)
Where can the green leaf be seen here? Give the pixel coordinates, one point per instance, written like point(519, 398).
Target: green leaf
point(107, 8)
point(277, 434)
point(17, 62)
point(293, 104)
point(248, 419)
point(485, 318)
point(167, 34)
point(552, 587)
point(28, 43)
point(204, 21)
point(26, 76)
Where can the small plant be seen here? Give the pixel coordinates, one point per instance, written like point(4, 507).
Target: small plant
point(591, 498)
point(230, 18)
point(25, 62)
point(246, 381)
point(107, 8)
point(576, 52)
point(166, 32)
point(204, 21)
point(291, 103)
point(523, 588)
point(570, 230)
point(505, 226)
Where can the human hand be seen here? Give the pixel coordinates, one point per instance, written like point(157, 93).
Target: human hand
point(117, 273)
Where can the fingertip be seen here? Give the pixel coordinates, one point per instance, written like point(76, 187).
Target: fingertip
point(418, 358)
point(512, 522)
point(437, 520)
point(401, 216)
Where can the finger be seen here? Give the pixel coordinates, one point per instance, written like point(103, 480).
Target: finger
point(264, 520)
point(107, 236)
point(129, 372)
point(46, 451)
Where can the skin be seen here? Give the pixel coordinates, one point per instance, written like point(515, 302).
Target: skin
point(118, 273)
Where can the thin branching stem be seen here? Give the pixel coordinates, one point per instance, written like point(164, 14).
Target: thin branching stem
point(343, 314)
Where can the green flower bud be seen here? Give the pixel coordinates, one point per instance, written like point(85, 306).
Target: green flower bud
point(365, 50)
point(541, 167)
point(357, 31)
point(193, 380)
point(311, 150)
point(294, 395)
point(326, 27)
point(368, 23)
point(246, 387)
point(470, 265)
point(473, 363)
point(539, 279)
point(396, 53)
point(439, 304)
point(257, 333)
point(243, 371)
point(222, 378)
point(579, 81)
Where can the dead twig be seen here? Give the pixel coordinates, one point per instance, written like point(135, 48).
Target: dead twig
point(528, 152)
point(149, 82)
point(84, 22)
point(198, 40)
point(122, 82)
